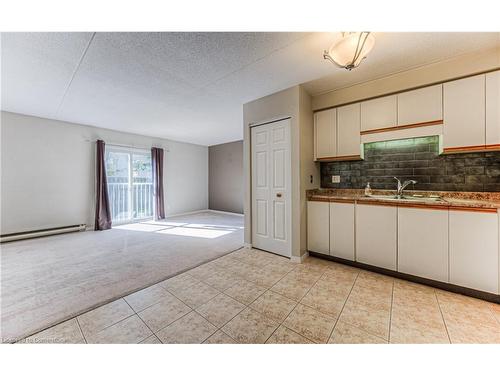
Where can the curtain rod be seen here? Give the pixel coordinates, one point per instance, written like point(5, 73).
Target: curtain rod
point(126, 146)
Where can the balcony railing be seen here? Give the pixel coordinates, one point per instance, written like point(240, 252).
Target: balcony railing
point(139, 194)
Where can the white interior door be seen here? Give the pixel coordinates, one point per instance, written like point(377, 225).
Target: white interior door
point(271, 190)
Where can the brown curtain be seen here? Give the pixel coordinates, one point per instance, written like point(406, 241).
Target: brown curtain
point(157, 161)
point(102, 211)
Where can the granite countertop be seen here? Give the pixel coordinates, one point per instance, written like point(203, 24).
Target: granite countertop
point(456, 199)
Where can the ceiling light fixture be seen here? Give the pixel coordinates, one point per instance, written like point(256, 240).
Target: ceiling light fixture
point(349, 51)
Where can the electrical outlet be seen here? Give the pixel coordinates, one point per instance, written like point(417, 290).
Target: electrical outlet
point(335, 179)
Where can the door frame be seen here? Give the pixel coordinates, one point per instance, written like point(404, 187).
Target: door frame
point(130, 151)
point(289, 224)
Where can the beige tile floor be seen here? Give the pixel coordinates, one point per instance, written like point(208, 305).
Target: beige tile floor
point(251, 296)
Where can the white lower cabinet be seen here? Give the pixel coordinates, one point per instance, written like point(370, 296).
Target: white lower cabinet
point(318, 227)
point(423, 242)
point(376, 235)
point(342, 230)
point(474, 250)
point(455, 246)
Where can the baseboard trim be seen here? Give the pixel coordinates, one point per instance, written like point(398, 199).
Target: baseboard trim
point(490, 297)
point(202, 211)
point(187, 213)
point(226, 212)
point(296, 259)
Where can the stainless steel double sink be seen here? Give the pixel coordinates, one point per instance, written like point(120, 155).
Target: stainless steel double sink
point(408, 198)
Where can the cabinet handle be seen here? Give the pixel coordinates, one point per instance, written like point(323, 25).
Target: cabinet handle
point(278, 195)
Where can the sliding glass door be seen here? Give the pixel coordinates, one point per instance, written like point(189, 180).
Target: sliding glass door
point(130, 184)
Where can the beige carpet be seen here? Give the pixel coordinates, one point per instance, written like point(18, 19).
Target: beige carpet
point(48, 280)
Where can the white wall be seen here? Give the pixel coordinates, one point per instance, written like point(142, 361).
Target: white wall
point(48, 172)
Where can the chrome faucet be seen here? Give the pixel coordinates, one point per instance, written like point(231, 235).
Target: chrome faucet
point(402, 186)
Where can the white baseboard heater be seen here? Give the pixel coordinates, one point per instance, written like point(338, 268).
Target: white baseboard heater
point(42, 233)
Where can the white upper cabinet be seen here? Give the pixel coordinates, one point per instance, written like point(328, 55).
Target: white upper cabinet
point(318, 227)
point(342, 230)
point(474, 250)
point(348, 130)
point(464, 113)
point(325, 125)
point(423, 242)
point(493, 108)
point(419, 106)
point(379, 113)
point(376, 235)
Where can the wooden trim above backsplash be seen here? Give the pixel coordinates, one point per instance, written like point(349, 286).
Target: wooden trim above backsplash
point(478, 148)
point(492, 147)
point(341, 158)
point(402, 127)
point(456, 150)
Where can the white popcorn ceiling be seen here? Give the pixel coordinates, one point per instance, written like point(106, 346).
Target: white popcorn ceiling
point(191, 86)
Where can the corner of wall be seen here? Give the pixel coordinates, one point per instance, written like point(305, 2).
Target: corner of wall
point(309, 170)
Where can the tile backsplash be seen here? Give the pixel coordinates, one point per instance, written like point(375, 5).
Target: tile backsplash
point(416, 159)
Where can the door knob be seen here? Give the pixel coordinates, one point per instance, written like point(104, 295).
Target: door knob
point(278, 195)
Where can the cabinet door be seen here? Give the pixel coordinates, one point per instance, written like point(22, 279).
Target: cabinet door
point(342, 230)
point(423, 242)
point(422, 105)
point(474, 250)
point(379, 113)
point(318, 227)
point(376, 235)
point(325, 125)
point(464, 112)
point(348, 130)
point(493, 108)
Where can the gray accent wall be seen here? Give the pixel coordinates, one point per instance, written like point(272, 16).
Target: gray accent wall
point(225, 182)
point(416, 159)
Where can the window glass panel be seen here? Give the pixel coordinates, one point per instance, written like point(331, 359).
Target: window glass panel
point(142, 186)
point(118, 174)
point(141, 164)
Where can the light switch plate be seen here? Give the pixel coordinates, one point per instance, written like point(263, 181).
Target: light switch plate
point(335, 179)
